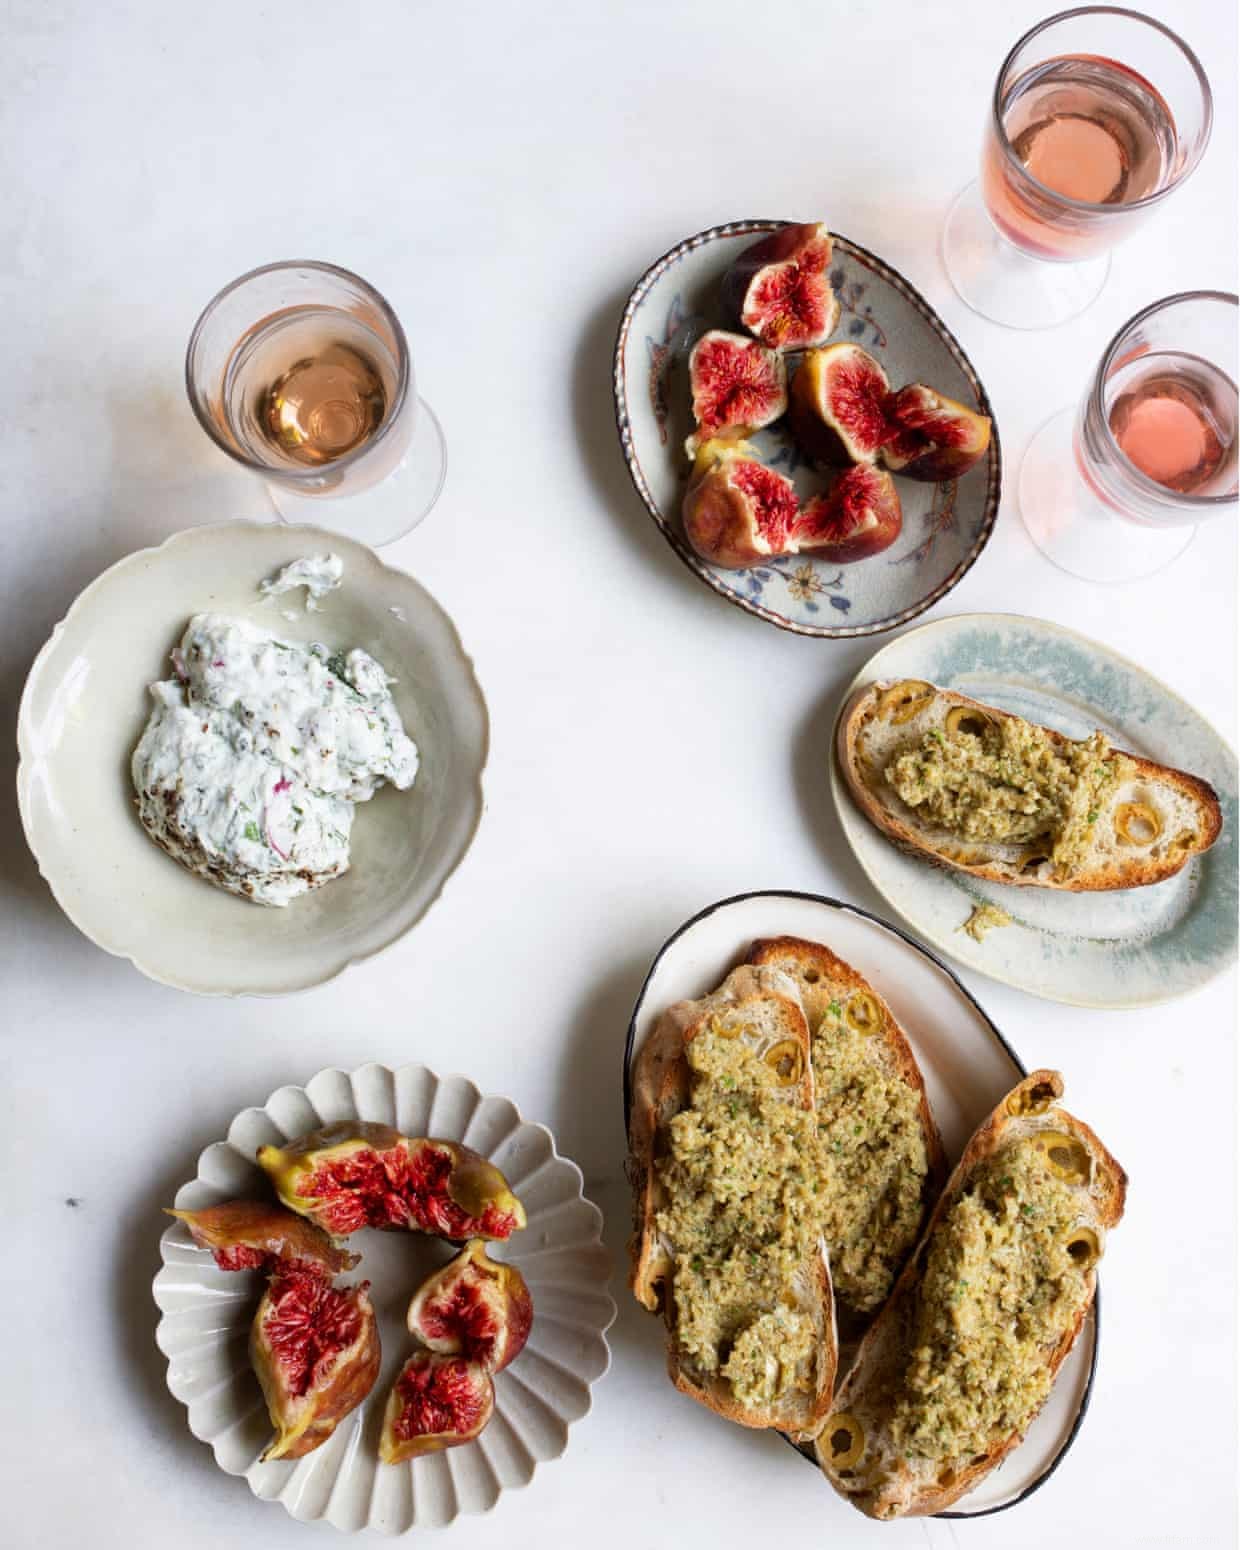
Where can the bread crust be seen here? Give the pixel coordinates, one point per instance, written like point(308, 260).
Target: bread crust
point(794, 955)
point(1134, 873)
point(900, 1494)
point(661, 1088)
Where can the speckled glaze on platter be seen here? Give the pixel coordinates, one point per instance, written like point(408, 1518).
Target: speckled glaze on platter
point(946, 525)
point(206, 1312)
point(968, 1066)
point(1129, 948)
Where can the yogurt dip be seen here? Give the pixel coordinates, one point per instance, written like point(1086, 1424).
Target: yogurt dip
point(256, 752)
point(318, 573)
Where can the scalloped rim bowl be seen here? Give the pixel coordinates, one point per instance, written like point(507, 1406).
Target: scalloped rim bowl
point(84, 707)
point(206, 1312)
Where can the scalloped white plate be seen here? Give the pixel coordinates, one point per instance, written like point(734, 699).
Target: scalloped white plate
point(86, 702)
point(206, 1312)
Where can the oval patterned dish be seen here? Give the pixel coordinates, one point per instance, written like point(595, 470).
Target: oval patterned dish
point(945, 525)
point(206, 1312)
point(86, 702)
point(968, 1066)
point(1127, 948)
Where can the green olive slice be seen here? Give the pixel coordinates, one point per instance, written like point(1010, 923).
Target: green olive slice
point(787, 1060)
point(1066, 1157)
point(902, 701)
point(1083, 1248)
point(862, 1013)
point(967, 720)
point(843, 1441)
point(1031, 1100)
point(1137, 823)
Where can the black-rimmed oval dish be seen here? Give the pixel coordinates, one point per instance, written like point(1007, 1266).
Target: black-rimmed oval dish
point(946, 525)
point(966, 1061)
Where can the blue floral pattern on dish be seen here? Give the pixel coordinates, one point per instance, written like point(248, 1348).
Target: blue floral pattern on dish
point(945, 526)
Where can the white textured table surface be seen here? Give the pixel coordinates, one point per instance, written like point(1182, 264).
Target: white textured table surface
point(504, 174)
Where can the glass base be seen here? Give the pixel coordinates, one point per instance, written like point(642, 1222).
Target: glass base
point(389, 509)
point(1002, 283)
point(1074, 531)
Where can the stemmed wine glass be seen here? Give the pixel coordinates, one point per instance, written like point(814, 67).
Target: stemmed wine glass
point(301, 372)
point(1112, 491)
point(1098, 114)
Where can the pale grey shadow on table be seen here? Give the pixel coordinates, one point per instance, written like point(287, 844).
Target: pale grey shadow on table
point(164, 476)
point(813, 751)
point(594, 421)
point(588, 1124)
point(140, 1362)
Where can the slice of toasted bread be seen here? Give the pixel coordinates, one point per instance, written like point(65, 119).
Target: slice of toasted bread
point(764, 1006)
point(857, 1449)
point(874, 1243)
point(884, 721)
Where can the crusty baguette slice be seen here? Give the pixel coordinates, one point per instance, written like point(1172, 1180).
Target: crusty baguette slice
point(855, 1448)
point(870, 735)
point(766, 1006)
point(827, 984)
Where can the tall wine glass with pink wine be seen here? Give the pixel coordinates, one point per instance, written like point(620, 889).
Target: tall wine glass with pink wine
point(1113, 490)
point(1097, 115)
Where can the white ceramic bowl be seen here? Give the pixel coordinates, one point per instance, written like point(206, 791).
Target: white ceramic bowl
point(85, 705)
point(206, 1312)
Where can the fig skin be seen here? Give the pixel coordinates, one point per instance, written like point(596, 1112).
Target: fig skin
point(452, 1401)
point(473, 1307)
point(737, 386)
point(837, 406)
point(859, 515)
point(780, 288)
point(722, 519)
point(359, 1174)
point(301, 1307)
point(254, 1235)
point(934, 438)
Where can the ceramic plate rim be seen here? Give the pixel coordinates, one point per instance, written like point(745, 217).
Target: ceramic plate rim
point(26, 757)
point(853, 823)
point(687, 556)
point(944, 968)
point(595, 1239)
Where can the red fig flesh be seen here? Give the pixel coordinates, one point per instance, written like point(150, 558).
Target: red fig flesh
point(253, 1235)
point(858, 516)
point(780, 288)
point(933, 437)
point(316, 1352)
point(474, 1307)
point(437, 1402)
point(737, 512)
point(837, 405)
point(356, 1175)
point(738, 386)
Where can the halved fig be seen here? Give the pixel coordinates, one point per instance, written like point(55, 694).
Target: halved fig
point(437, 1402)
point(932, 436)
point(736, 510)
point(254, 1235)
point(858, 516)
point(358, 1174)
point(474, 1307)
point(780, 288)
point(738, 386)
point(837, 405)
point(316, 1352)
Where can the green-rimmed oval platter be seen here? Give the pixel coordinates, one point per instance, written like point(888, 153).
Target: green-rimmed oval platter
point(1128, 948)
